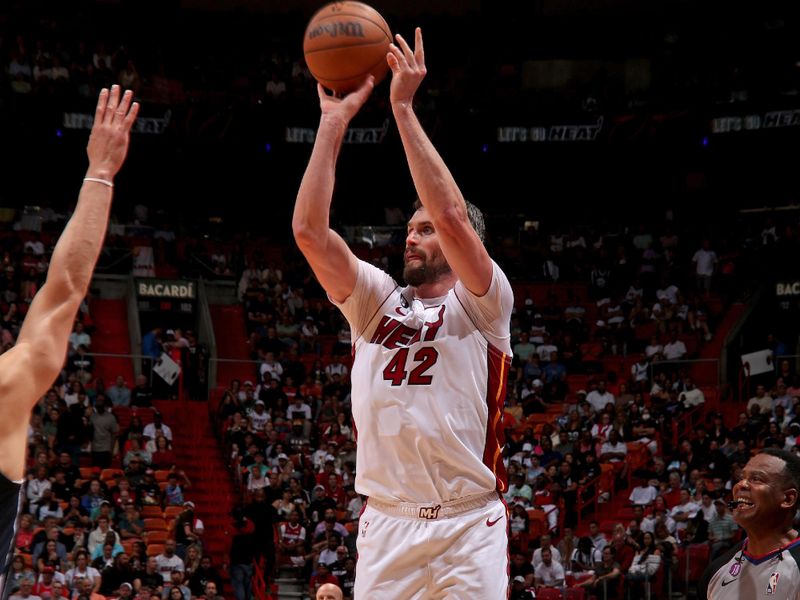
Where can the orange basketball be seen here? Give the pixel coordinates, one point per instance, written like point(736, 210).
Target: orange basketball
point(344, 43)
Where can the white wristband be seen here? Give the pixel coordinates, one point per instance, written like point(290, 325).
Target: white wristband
point(105, 182)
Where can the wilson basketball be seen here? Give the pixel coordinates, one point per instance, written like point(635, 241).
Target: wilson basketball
point(344, 43)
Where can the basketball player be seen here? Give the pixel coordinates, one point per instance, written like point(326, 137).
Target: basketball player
point(430, 364)
point(29, 369)
point(767, 563)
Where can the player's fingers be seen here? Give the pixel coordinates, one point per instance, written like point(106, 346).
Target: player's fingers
point(321, 92)
point(131, 116)
point(124, 107)
point(407, 53)
point(394, 65)
point(398, 55)
point(113, 102)
point(419, 50)
point(102, 102)
point(363, 92)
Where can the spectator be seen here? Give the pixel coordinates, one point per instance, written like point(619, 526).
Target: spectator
point(243, 552)
point(151, 576)
point(524, 349)
point(119, 395)
point(271, 366)
point(337, 367)
point(163, 457)
point(322, 577)
point(82, 571)
point(79, 337)
point(40, 549)
point(148, 491)
point(156, 428)
point(586, 556)
point(25, 591)
point(82, 364)
point(762, 400)
point(691, 396)
point(104, 433)
point(211, 592)
point(675, 349)
point(175, 588)
point(35, 489)
point(644, 493)
point(705, 262)
point(131, 525)
point(142, 394)
point(99, 535)
point(202, 575)
point(259, 417)
point(600, 397)
point(599, 540)
point(519, 589)
point(646, 562)
point(546, 545)
point(604, 577)
point(550, 574)
point(168, 560)
point(189, 528)
point(685, 510)
point(136, 455)
point(173, 492)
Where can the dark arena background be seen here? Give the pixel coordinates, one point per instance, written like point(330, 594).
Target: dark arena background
point(637, 165)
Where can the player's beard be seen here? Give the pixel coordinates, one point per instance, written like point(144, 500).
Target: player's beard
point(427, 270)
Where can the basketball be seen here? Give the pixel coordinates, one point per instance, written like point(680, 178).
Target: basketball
point(344, 43)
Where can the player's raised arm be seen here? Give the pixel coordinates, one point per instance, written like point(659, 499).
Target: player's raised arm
point(435, 185)
point(331, 260)
point(29, 369)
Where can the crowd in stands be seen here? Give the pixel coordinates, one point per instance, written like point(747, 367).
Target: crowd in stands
point(290, 432)
point(49, 53)
point(577, 432)
point(106, 508)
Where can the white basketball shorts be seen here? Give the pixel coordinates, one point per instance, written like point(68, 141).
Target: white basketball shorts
point(454, 551)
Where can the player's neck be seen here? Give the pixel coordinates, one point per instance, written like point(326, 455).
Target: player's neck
point(761, 544)
point(436, 289)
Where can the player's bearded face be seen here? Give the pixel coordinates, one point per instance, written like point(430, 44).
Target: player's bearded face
point(420, 267)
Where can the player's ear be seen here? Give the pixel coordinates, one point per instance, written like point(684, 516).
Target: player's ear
point(790, 498)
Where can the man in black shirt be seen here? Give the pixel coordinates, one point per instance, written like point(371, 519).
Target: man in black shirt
point(202, 575)
point(142, 394)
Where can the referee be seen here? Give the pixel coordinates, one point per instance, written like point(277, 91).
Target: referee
point(766, 564)
point(29, 369)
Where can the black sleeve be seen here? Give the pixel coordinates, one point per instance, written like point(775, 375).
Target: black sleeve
point(716, 565)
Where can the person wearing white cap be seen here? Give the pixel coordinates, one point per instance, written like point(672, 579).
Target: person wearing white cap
point(259, 417)
point(518, 591)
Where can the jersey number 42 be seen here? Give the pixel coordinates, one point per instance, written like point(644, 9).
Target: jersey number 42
point(424, 358)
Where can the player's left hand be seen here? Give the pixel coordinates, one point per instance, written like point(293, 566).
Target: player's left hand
point(408, 69)
point(108, 142)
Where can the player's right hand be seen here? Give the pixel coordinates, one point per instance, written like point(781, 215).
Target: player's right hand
point(342, 110)
point(108, 142)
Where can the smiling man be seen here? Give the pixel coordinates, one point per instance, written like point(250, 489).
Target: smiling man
point(766, 564)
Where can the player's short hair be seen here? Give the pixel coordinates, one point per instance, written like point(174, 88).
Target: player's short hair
point(473, 213)
point(791, 469)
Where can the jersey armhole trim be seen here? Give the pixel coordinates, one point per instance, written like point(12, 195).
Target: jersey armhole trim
point(374, 314)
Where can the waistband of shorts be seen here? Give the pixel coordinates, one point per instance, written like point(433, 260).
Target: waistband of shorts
point(433, 511)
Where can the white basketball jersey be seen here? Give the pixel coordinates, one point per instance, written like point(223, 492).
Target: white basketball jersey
point(428, 387)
